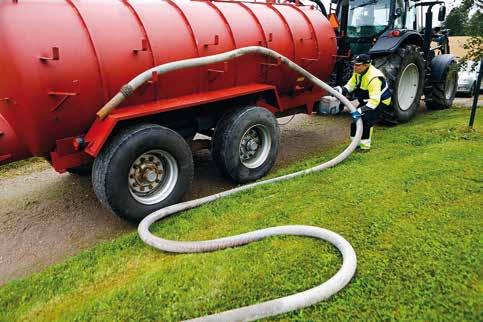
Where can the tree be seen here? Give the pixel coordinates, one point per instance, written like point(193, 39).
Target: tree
point(474, 29)
point(459, 25)
point(474, 47)
point(455, 21)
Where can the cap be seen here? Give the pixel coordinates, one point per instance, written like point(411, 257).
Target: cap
point(362, 59)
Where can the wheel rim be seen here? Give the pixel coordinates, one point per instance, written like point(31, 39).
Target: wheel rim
point(153, 176)
point(255, 146)
point(408, 87)
point(450, 86)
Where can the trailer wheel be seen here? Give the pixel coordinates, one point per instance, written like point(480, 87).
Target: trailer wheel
point(442, 94)
point(245, 143)
point(405, 72)
point(143, 168)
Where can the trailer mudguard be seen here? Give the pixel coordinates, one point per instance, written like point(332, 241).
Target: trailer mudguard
point(387, 43)
point(439, 65)
point(100, 130)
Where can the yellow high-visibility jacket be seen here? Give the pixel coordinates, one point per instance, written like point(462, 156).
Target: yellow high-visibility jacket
point(371, 87)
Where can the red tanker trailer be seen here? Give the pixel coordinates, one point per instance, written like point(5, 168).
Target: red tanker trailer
point(63, 60)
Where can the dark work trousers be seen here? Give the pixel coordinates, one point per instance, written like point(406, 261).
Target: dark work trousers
point(369, 119)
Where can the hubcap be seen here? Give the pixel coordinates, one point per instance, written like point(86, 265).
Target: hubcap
point(408, 86)
point(255, 146)
point(152, 176)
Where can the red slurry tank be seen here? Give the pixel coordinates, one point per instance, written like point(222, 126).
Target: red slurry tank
point(63, 60)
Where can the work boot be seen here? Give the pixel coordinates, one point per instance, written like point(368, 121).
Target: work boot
point(365, 145)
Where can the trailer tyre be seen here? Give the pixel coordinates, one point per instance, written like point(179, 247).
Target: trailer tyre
point(442, 93)
point(141, 169)
point(405, 72)
point(245, 144)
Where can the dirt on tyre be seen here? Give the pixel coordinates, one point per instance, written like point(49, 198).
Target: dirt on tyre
point(143, 168)
point(442, 93)
point(245, 144)
point(405, 72)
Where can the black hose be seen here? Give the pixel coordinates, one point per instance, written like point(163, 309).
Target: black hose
point(321, 6)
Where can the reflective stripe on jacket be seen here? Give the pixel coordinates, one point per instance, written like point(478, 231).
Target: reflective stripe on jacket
point(371, 86)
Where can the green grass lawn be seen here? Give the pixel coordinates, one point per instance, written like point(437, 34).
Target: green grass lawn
point(411, 208)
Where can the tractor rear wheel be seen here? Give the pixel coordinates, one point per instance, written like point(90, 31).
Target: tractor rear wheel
point(405, 72)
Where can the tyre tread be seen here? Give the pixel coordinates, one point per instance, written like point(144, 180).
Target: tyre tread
point(437, 98)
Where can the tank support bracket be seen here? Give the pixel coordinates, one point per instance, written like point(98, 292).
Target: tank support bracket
point(65, 96)
point(55, 55)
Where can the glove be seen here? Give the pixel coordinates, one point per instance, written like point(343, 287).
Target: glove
point(342, 90)
point(356, 115)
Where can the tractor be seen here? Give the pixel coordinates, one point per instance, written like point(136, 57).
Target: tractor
point(414, 56)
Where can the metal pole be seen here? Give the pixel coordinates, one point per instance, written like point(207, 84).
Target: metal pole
point(476, 93)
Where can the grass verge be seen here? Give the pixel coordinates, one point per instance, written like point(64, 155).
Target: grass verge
point(411, 208)
point(23, 167)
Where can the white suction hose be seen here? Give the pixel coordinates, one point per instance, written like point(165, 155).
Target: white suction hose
point(277, 306)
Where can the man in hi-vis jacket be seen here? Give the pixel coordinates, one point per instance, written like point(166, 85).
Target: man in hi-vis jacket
point(369, 86)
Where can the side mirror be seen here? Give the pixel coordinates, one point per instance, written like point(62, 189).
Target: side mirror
point(397, 12)
point(442, 13)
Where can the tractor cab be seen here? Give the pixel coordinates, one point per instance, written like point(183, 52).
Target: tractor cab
point(366, 21)
point(363, 22)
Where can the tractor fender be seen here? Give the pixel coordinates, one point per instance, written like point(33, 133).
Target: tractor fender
point(387, 44)
point(439, 65)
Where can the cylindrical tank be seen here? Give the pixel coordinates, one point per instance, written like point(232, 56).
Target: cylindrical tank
point(62, 60)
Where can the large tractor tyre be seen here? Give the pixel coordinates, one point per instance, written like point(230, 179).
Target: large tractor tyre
point(245, 144)
point(405, 72)
point(141, 169)
point(84, 170)
point(347, 70)
point(442, 93)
